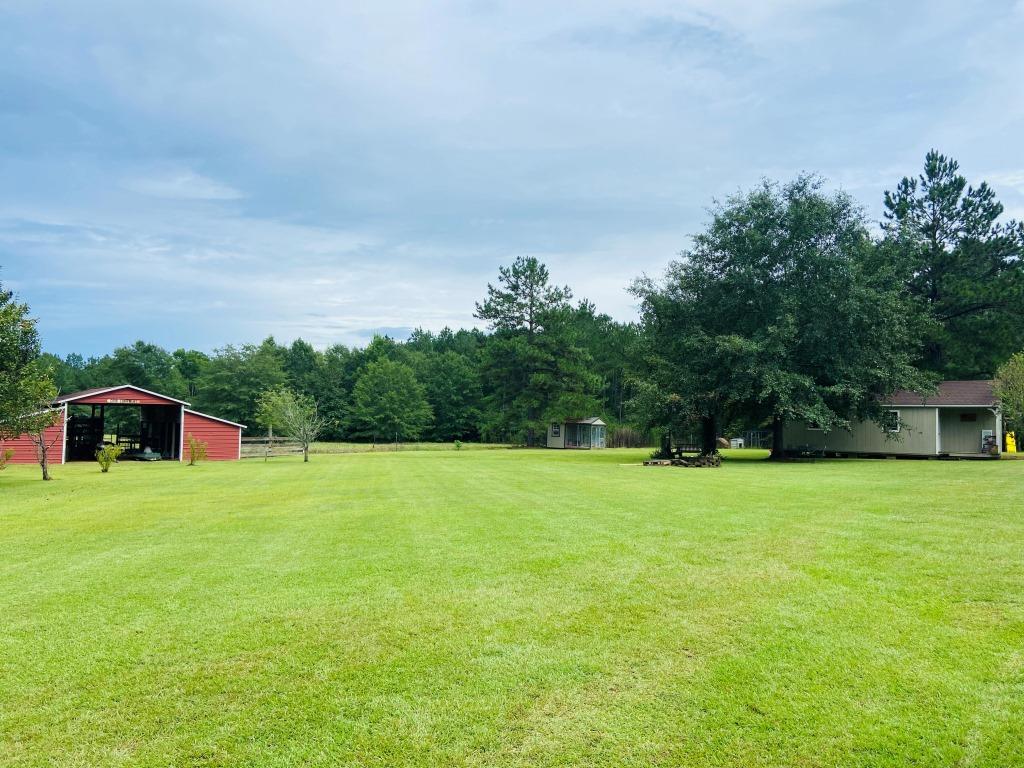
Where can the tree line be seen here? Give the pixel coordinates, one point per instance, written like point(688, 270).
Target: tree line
point(790, 304)
point(544, 354)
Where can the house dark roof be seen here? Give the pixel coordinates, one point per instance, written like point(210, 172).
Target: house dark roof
point(976, 393)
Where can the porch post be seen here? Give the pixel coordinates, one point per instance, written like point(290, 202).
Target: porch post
point(64, 444)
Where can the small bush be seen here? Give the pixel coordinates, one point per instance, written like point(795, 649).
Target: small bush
point(196, 450)
point(458, 445)
point(5, 456)
point(107, 455)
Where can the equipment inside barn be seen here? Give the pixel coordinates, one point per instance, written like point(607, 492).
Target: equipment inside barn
point(141, 430)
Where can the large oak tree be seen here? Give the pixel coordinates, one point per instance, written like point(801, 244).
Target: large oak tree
point(780, 310)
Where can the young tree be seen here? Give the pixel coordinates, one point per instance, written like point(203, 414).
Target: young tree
point(1009, 387)
point(781, 311)
point(962, 265)
point(533, 365)
point(26, 388)
point(388, 401)
point(295, 415)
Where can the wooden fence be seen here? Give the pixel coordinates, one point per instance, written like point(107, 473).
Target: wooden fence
point(265, 448)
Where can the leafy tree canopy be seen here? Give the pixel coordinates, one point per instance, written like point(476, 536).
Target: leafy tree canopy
point(1009, 385)
point(388, 402)
point(780, 311)
point(26, 388)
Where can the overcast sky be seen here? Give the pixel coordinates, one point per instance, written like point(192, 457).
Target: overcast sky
point(198, 173)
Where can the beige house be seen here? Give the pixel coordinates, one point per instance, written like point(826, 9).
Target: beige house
point(961, 419)
point(578, 433)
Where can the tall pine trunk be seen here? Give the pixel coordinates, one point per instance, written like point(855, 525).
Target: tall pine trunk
point(777, 440)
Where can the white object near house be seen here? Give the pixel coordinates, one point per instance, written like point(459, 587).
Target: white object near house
point(736, 442)
point(578, 433)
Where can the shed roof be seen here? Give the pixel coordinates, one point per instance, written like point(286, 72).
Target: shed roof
point(968, 393)
point(82, 394)
point(595, 420)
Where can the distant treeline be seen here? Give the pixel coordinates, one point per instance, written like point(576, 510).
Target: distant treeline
point(466, 379)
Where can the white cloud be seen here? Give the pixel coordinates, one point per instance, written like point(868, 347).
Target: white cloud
point(181, 184)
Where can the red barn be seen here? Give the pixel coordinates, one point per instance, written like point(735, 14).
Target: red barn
point(147, 425)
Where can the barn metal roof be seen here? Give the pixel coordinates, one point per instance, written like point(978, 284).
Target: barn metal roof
point(100, 390)
point(950, 393)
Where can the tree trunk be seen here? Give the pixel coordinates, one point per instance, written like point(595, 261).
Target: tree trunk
point(44, 460)
point(777, 441)
point(305, 452)
point(666, 446)
point(708, 436)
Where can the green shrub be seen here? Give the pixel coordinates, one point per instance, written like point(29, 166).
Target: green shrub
point(5, 456)
point(196, 450)
point(107, 455)
point(458, 445)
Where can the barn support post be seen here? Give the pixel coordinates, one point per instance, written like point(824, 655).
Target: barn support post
point(64, 437)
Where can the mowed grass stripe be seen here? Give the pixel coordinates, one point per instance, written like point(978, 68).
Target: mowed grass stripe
point(512, 607)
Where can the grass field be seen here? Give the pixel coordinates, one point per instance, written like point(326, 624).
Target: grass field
point(525, 608)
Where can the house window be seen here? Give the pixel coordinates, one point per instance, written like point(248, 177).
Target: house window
point(556, 430)
point(968, 417)
point(891, 421)
point(813, 425)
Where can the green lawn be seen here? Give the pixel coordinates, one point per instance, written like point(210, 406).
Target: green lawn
point(524, 608)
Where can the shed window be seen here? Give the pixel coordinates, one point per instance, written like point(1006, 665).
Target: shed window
point(891, 421)
point(968, 417)
point(556, 430)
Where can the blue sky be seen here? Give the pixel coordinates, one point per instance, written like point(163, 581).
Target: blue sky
point(198, 173)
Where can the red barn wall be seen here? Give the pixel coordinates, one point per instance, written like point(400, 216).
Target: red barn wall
point(222, 440)
point(25, 450)
point(126, 396)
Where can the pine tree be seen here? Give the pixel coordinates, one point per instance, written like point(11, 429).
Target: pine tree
point(961, 264)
